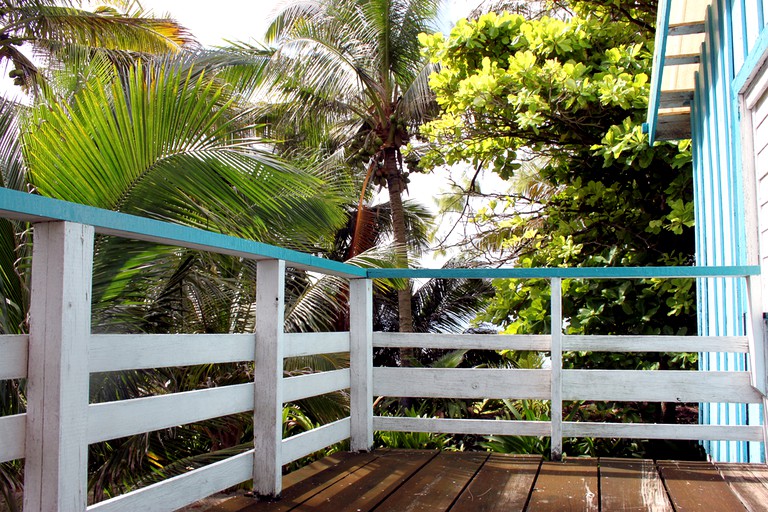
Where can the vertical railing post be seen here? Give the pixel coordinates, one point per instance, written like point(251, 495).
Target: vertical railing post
point(361, 363)
point(556, 405)
point(56, 466)
point(268, 377)
point(758, 337)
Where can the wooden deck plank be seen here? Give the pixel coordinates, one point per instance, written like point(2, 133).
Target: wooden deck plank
point(566, 486)
point(437, 485)
point(301, 485)
point(370, 485)
point(697, 486)
point(503, 484)
point(631, 485)
point(749, 482)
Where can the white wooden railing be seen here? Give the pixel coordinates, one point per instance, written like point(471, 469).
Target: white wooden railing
point(60, 353)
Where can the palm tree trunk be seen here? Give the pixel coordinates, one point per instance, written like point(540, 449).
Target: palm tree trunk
point(395, 187)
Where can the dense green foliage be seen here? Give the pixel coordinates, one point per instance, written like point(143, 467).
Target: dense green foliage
point(567, 98)
point(555, 106)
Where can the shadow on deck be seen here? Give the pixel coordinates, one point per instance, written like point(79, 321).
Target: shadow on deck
point(405, 480)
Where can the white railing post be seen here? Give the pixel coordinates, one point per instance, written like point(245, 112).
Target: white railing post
point(268, 401)
point(758, 337)
point(556, 355)
point(56, 466)
point(361, 364)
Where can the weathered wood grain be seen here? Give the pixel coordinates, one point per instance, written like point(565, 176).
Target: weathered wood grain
point(437, 485)
point(503, 484)
point(631, 485)
point(313, 384)
point(298, 344)
point(311, 480)
point(268, 377)
point(110, 420)
point(749, 482)
point(184, 489)
point(370, 485)
point(13, 433)
point(453, 426)
point(57, 385)
point(657, 343)
point(463, 341)
point(361, 364)
point(659, 386)
point(114, 352)
point(314, 440)
point(461, 383)
point(697, 486)
point(663, 431)
point(13, 356)
point(566, 486)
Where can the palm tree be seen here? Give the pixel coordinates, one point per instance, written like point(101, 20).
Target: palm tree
point(58, 31)
point(355, 67)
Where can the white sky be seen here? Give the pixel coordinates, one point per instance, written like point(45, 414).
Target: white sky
point(242, 20)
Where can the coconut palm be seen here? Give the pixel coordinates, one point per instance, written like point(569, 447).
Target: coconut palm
point(355, 66)
point(56, 31)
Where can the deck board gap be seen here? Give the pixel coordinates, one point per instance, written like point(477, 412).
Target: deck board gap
point(466, 485)
point(405, 480)
point(533, 485)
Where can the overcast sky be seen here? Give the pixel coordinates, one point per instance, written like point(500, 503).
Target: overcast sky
point(243, 20)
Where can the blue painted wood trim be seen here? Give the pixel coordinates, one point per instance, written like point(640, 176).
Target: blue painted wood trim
point(657, 73)
point(566, 273)
point(751, 64)
point(34, 208)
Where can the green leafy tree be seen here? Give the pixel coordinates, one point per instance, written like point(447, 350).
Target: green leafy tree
point(559, 103)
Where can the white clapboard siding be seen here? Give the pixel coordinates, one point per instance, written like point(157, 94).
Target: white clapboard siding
point(314, 440)
point(658, 386)
point(462, 341)
point(313, 384)
point(453, 426)
point(12, 437)
point(184, 489)
point(661, 431)
point(313, 343)
point(128, 417)
point(114, 352)
point(657, 343)
point(461, 383)
point(13, 356)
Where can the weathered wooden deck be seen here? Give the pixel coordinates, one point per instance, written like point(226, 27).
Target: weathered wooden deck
point(405, 480)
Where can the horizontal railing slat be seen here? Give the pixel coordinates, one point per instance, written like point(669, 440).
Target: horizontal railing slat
point(455, 426)
point(657, 343)
point(312, 343)
point(314, 384)
point(111, 420)
point(461, 383)
point(114, 352)
point(12, 443)
point(661, 431)
point(182, 490)
point(463, 341)
point(659, 386)
point(314, 440)
point(13, 356)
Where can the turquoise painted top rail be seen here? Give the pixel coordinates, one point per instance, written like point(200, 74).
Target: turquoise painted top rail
point(30, 207)
point(565, 273)
point(34, 208)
